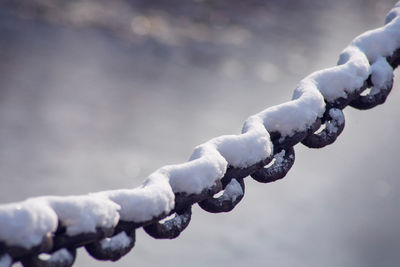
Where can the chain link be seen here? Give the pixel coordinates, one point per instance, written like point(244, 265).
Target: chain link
point(61, 248)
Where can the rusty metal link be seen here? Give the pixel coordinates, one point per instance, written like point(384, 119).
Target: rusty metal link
point(171, 228)
point(333, 126)
point(60, 258)
point(278, 169)
point(227, 201)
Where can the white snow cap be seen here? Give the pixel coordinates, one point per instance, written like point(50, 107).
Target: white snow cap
point(26, 223)
point(82, 214)
point(152, 199)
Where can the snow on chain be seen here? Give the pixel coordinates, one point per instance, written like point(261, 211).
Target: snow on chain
point(25, 223)
point(117, 242)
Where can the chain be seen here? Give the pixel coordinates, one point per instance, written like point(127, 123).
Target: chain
point(111, 243)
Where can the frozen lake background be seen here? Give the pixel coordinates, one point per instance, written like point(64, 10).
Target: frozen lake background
point(96, 95)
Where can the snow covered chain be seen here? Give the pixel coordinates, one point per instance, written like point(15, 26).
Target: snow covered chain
point(46, 231)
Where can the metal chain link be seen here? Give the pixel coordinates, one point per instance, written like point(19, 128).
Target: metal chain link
point(268, 170)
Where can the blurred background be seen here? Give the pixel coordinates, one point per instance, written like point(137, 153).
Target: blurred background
point(97, 94)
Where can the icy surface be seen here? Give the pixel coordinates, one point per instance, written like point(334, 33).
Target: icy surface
point(116, 242)
point(26, 223)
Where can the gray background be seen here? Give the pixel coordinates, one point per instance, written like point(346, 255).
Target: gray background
point(95, 95)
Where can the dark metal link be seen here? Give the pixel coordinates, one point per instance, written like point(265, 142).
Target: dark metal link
point(342, 102)
point(288, 142)
point(101, 251)
point(370, 100)
point(279, 168)
point(113, 243)
point(62, 240)
point(226, 202)
point(54, 260)
point(334, 126)
point(17, 253)
point(183, 200)
point(172, 227)
point(394, 59)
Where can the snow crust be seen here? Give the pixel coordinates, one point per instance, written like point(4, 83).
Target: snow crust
point(26, 223)
point(117, 242)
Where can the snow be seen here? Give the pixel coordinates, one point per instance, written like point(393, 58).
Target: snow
point(349, 75)
point(296, 115)
point(5, 260)
point(26, 223)
point(395, 12)
point(279, 158)
point(381, 42)
point(382, 75)
point(82, 214)
point(61, 256)
point(176, 221)
point(117, 242)
point(206, 165)
point(152, 199)
point(278, 161)
point(337, 119)
point(233, 190)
